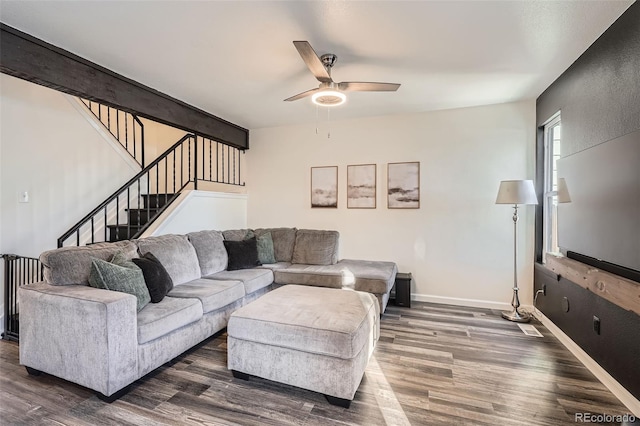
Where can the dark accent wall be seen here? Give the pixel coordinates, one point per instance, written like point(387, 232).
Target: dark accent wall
point(31, 59)
point(599, 95)
point(599, 100)
point(616, 348)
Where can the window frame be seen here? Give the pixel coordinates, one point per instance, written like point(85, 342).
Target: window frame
point(549, 190)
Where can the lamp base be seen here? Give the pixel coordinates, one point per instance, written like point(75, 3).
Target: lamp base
point(516, 316)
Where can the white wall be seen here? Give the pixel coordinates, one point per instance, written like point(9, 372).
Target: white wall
point(51, 151)
point(199, 210)
point(459, 244)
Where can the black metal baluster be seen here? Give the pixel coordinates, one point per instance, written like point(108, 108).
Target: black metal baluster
point(139, 197)
point(195, 161)
point(126, 131)
point(166, 183)
point(148, 193)
point(211, 161)
point(106, 238)
point(142, 145)
point(128, 214)
point(133, 124)
point(157, 185)
point(118, 217)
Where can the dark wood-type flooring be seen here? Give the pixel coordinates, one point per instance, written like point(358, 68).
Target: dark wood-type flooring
point(434, 364)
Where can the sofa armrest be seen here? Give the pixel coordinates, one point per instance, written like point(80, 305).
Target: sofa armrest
point(81, 334)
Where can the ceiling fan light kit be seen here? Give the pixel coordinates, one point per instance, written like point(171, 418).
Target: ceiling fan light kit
point(330, 93)
point(328, 98)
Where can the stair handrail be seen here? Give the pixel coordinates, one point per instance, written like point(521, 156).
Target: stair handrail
point(123, 188)
point(203, 160)
point(88, 104)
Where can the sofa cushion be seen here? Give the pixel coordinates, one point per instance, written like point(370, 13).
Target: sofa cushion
point(71, 265)
point(314, 275)
point(123, 276)
point(156, 277)
point(212, 294)
point(242, 254)
point(252, 279)
point(314, 247)
point(313, 320)
point(157, 319)
point(375, 277)
point(284, 240)
point(274, 266)
point(265, 248)
point(176, 254)
point(238, 234)
point(212, 256)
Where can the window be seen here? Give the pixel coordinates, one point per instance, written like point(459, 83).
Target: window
point(552, 138)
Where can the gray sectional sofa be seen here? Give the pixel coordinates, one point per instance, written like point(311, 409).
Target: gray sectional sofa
point(98, 339)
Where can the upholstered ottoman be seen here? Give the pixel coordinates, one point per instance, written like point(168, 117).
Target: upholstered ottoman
point(314, 338)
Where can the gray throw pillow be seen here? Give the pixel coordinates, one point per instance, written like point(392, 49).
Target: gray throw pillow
point(125, 277)
point(266, 253)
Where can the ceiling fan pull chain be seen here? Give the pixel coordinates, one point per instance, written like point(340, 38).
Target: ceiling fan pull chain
point(316, 119)
point(328, 123)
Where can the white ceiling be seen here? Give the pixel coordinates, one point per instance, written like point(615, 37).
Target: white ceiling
point(235, 59)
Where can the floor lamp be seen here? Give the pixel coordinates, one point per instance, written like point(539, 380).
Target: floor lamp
point(516, 192)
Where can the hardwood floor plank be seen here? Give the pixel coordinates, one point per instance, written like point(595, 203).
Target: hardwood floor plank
point(434, 364)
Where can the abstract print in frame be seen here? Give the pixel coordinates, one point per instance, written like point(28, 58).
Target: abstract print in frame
point(361, 186)
point(324, 187)
point(403, 185)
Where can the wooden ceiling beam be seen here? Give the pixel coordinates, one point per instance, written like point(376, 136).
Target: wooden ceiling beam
point(34, 60)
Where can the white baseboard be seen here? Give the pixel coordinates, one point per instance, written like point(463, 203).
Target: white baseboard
point(473, 303)
point(601, 374)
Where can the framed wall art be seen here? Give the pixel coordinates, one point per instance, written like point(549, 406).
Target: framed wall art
point(403, 185)
point(361, 186)
point(324, 187)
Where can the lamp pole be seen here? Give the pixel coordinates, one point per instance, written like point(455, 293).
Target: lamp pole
point(515, 314)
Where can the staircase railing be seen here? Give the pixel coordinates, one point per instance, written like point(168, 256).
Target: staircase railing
point(124, 126)
point(130, 210)
point(18, 271)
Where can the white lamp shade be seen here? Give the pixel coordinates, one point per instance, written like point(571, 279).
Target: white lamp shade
point(516, 192)
point(563, 191)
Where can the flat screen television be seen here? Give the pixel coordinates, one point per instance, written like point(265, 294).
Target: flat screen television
point(601, 224)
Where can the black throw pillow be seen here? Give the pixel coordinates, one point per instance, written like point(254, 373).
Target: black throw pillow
point(156, 276)
point(242, 254)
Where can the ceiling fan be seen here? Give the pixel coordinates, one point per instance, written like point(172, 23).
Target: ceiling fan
point(330, 93)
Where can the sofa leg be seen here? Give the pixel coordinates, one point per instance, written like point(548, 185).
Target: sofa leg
point(33, 371)
point(109, 399)
point(240, 375)
point(340, 402)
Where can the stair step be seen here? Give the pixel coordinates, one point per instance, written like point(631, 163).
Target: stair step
point(157, 200)
point(122, 232)
point(141, 216)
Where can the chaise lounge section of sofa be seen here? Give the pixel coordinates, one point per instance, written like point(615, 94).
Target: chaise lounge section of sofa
point(98, 339)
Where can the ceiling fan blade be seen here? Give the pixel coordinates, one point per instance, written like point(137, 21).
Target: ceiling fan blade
point(312, 60)
point(362, 86)
point(302, 95)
